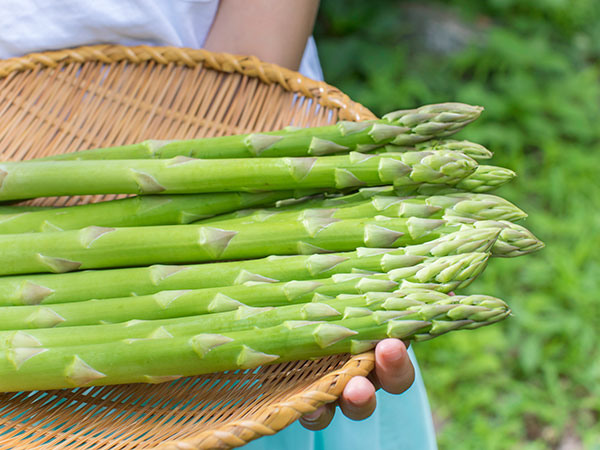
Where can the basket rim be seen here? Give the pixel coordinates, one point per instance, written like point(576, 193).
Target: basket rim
point(269, 73)
point(328, 388)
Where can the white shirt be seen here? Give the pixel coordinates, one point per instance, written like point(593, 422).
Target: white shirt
point(38, 25)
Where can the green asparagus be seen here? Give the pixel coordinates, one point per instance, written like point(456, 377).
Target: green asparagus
point(182, 175)
point(464, 206)
point(241, 318)
point(159, 358)
point(137, 211)
point(484, 179)
point(98, 247)
point(19, 209)
point(468, 148)
point(85, 285)
point(404, 127)
point(445, 273)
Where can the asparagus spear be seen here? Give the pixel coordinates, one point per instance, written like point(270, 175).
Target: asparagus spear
point(464, 206)
point(28, 366)
point(137, 211)
point(446, 273)
point(422, 303)
point(182, 175)
point(484, 179)
point(405, 127)
point(98, 247)
point(85, 285)
point(241, 318)
point(19, 209)
point(471, 149)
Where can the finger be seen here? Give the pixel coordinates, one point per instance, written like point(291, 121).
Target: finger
point(318, 419)
point(393, 369)
point(358, 399)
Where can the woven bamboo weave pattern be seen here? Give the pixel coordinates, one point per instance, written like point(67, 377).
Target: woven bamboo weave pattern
point(112, 95)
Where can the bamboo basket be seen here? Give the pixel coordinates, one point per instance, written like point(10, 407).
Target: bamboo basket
point(109, 95)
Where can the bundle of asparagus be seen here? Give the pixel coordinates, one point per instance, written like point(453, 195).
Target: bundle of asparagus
point(362, 231)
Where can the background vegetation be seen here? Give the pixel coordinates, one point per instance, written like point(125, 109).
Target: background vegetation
point(532, 382)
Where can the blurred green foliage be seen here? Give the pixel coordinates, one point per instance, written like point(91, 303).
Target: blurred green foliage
point(532, 382)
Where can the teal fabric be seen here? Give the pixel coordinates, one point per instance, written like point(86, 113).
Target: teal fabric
point(400, 422)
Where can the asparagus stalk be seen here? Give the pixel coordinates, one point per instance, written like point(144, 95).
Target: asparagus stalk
point(404, 127)
point(423, 302)
point(182, 175)
point(445, 274)
point(29, 366)
point(464, 206)
point(484, 179)
point(85, 285)
point(98, 247)
point(471, 149)
point(19, 209)
point(137, 211)
point(241, 318)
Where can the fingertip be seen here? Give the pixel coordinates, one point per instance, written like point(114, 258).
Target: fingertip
point(359, 391)
point(318, 419)
point(393, 366)
point(358, 400)
point(391, 352)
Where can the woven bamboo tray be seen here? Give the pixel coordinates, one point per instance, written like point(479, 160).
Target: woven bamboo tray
point(111, 95)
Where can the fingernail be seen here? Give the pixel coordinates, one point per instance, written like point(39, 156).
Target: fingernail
point(358, 393)
point(313, 416)
point(395, 357)
point(392, 352)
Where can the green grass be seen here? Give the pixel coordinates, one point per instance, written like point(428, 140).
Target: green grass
point(532, 382)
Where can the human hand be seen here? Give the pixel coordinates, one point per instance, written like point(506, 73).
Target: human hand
point(394, 373)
